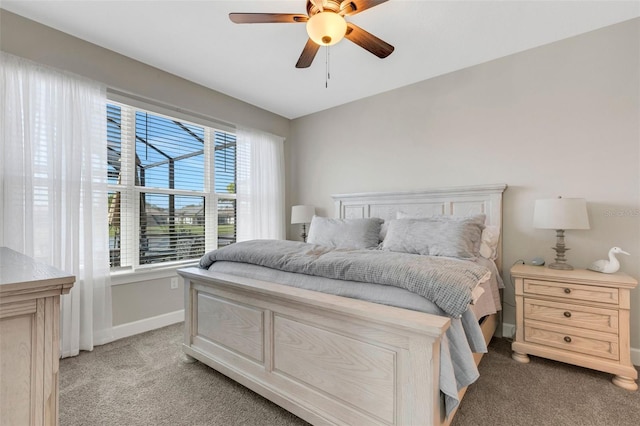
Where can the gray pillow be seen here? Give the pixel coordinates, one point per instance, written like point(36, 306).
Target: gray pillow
point(479, 218)
point(345, 233)
point(435, 237)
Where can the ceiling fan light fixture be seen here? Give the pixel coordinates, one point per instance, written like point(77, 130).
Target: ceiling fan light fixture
point(326, 28)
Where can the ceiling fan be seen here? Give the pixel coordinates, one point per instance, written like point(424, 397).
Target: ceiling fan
point(326, 26)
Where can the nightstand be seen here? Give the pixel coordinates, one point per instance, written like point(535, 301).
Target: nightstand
point(579, 317)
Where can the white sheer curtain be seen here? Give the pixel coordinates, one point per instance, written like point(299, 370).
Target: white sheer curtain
point(53, 199)
point(260, 185)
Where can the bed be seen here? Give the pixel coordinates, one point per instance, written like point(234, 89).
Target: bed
point(331, 359)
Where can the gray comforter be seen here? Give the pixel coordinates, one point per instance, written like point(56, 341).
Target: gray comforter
point(444, 281)
point(462, 338)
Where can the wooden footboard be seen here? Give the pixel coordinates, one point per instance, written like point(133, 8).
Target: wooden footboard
point(327, 359)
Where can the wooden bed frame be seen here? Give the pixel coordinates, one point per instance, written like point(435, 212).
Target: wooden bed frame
point(325, 358)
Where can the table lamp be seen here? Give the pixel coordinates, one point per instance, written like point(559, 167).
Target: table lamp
point(561, 214)
point(303, 215)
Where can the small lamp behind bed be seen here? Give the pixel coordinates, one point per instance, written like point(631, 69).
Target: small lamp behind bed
point(303, 215)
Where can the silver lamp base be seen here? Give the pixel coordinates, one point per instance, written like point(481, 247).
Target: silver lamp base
point(560, 248)
point(563, 266)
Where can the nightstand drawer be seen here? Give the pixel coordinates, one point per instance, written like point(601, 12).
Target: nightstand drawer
point(590, 318)
point(568, 291)
point(587, 342)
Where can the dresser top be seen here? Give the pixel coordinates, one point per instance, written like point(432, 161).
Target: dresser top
point(619, 279)
point(19, 272)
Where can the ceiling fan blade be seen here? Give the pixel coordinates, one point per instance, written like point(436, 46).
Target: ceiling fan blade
point(308, 53)
point(267, 18)
point(352, 7)
point(368, 41)
point(319, 4)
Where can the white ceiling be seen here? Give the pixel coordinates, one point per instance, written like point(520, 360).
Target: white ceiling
point(255, 62)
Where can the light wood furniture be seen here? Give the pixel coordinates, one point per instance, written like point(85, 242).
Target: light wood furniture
point(579, 317)
point(325, 358)
point(29, 329)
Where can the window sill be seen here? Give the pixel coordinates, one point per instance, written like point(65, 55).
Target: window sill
point(149, 272)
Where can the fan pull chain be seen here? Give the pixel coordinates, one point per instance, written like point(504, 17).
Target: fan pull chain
point(327, 68)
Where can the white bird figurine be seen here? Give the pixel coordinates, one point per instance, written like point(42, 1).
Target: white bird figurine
point(608, 266)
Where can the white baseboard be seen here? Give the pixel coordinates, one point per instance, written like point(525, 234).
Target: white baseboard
point(509, 330)
point(136, 327)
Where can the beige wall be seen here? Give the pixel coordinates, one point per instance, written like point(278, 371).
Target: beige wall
point(562, 119)
point(145, 298)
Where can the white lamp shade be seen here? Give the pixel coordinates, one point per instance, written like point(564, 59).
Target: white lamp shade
point(326, 28)
point(561, 213)
point(302, 214)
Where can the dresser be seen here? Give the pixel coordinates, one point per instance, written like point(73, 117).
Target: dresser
point(29, 339)
point(579, 317)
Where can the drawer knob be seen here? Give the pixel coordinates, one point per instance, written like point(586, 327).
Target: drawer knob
point(567, 314)
point(567, 339)
point(567, 290)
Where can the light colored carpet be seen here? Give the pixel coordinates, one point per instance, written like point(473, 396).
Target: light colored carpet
point(543, 392)
point(141, 380)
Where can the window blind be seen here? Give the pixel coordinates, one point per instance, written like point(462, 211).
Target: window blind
point(172, 187)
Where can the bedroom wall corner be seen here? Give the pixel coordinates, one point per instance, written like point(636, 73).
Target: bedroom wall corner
point(139, 302)
point(560, 119)
point(31, 40)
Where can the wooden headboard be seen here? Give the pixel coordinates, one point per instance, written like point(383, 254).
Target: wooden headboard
point(459, 201)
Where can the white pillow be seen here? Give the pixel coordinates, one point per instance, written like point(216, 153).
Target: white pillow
point(383, 229)
point(489, 244)
point(345, 233)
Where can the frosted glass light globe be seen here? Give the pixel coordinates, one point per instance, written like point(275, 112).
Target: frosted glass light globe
point(326, 28)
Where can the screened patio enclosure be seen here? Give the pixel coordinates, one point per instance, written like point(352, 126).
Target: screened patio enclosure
point(162, 184)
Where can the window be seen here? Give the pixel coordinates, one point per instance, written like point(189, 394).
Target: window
point(172, 187)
